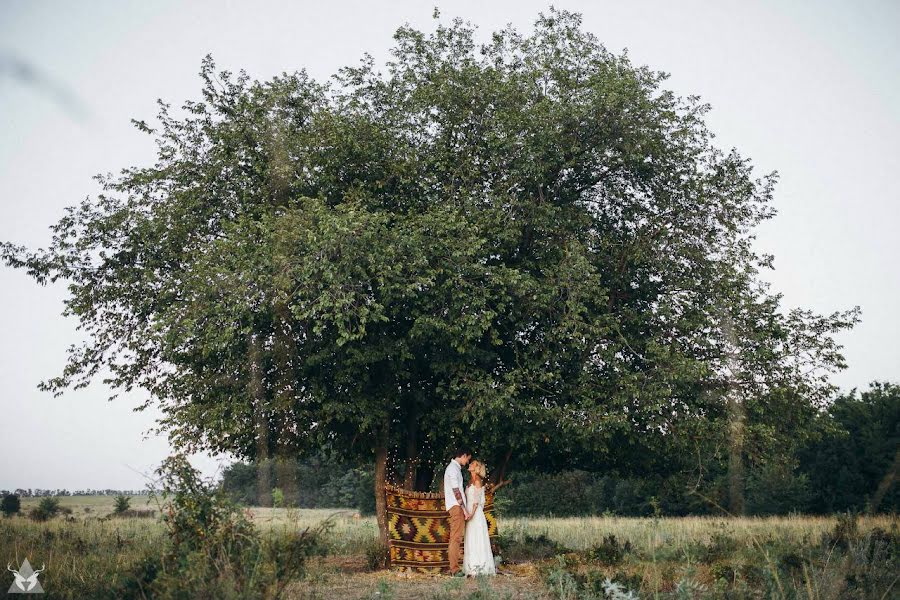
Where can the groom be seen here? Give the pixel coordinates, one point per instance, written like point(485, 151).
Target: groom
point(455, 504)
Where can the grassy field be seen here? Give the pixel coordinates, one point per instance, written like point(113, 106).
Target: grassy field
point(567, 559)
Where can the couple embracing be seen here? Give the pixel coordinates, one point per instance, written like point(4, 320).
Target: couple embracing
point(467, 514)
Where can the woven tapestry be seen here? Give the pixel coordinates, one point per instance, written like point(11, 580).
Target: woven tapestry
point(419, 529)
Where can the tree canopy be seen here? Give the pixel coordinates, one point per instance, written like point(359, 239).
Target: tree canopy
point(527, 244)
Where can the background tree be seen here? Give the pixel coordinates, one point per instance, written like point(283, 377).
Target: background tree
point(853, 463)
point(528, 244)
point(10, 505)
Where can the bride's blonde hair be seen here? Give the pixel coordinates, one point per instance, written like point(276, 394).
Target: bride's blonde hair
point(479, 468)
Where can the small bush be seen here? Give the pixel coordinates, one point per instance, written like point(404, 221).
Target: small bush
point(377, 556)
point(890, 539)
point(845, 531)
point(872, 563)
point(36, 514)
point(721, 546)
point(630, 581)
point(561, 583)
point(277, 498)
point(213, 550)
point(564, 581)
point(287, 553)
point(10, 505)
point(609, 552)
point(792, 563)
point(122, 504)
point(46, 509)
point(140, 579)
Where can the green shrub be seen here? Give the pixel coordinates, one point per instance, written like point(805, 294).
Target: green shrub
point(564, 582)
point(139, 581)
point(377, 555)
point(122, 504)
point(277, 498)
point(791, 563)
point(724, 572)
point(890, 539)
point(609, 551)
point(10, 505)
point(286, 553)
point(46, 509)
point(631, 581)
point(213, 550)
point(561, 581)
point(872, 564)
point(848, 566)
point(845, 530)
point(721, 546)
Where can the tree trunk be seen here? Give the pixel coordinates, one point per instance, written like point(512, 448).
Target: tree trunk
point(283, 358)
point(286, 478)
point(381, 453)
point(258, 394)
point(497, 479)
point(736, 426)
point(736, 417)
point(264, 482)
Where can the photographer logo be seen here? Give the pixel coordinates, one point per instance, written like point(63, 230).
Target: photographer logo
point(26, 579)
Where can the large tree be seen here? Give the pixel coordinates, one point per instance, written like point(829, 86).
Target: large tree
point(528, 245)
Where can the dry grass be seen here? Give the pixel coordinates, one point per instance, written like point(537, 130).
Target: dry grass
point(337, 579)
point(647, 533)
point(95, 505)
point(664, 550)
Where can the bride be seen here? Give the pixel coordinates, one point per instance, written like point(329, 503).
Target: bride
point(477, 557)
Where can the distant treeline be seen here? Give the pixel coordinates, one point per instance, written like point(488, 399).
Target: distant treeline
point(850, 465)
point(316, 482)
point(41, 493)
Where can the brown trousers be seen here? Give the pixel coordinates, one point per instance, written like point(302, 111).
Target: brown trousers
point(457, 527)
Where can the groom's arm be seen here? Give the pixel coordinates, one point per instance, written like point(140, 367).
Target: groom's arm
point(461, 501)
point(457, 491)
point(459, 498)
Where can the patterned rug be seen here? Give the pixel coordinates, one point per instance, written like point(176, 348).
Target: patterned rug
point(418, 529)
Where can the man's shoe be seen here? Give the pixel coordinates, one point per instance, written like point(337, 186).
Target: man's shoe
point(458, 574)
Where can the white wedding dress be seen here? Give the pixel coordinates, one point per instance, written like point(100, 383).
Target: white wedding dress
point(477, 556)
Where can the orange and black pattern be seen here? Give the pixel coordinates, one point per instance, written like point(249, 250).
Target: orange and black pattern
point(418, 529)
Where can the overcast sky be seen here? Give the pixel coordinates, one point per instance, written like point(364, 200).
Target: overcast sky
point(807, 88)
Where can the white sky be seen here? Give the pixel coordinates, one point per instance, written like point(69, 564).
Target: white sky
point(807, 88)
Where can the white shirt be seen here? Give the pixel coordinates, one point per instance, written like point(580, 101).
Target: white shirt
point(453, 479)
